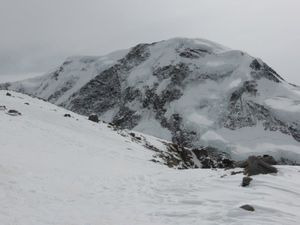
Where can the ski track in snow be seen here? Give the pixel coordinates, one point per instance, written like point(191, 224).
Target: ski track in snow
point(70, 171)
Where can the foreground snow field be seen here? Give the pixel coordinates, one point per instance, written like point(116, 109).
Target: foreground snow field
point(71, 171)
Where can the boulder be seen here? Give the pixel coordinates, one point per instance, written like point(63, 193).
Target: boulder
point(2, 107)
point(13, 112)
point(67, 115)
point(246, 181)
point(138, 138)
point(268, 159)
point(8, 94)
point(94, 118)
point(255, 166)
point(248, 208)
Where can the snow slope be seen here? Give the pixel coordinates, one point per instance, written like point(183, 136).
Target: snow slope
point(193, 92)
point(56, 170)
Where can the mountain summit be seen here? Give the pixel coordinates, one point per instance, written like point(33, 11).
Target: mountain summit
point(191, 91)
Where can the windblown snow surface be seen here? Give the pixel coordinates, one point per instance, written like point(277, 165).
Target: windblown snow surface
point(71, 171)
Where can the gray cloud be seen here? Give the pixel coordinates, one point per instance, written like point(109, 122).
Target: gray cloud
point(36, 35)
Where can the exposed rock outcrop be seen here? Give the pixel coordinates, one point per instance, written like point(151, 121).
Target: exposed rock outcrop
point(255, 165)
point(94, 118)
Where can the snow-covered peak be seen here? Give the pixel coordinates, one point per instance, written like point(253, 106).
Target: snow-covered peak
point(58, 85)
point(197, 43)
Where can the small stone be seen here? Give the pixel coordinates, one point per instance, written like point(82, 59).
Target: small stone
point(2, 107)
point(8, 94)
point(248, 208)
point(13, 112)
point(132, 134)
point(67, 115)
point(246, 181)
point(207, 163)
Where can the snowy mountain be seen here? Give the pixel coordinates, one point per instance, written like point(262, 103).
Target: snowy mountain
point(190, 91)
point(57, 167)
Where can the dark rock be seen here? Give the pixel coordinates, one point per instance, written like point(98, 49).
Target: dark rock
point(264, 71)
point(176, 156)
point(284, 161)
point(2, 107)
point(138, 138)
point(236, 172)
point(13, 112)
point(185, 155)
point(177, 73)
point(132, 134)
point(212, 158)
point(255, 65)
point(269, 159)
point(67, 115)
point(154, 160)
point(241, 164)
point(26, 103)
point(207, 163)
point(94, 118)
point(200, 153)
point(256, 166)
point(248, 208)
point(224, 175)
point(8, 94)
point(246, 181)
point(228, 163)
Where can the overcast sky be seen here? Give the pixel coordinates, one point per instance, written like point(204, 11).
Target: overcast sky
point(37, 35)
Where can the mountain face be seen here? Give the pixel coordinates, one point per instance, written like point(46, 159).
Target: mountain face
point(190, 91)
